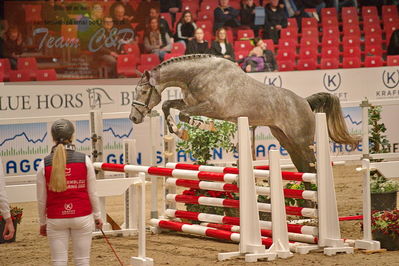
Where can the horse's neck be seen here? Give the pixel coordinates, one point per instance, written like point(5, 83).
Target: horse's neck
point(176, 74)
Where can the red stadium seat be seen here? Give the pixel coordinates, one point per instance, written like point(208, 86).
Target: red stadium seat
point(209, 5)
point(143, 68)
point(389, 10)
point(328, 12)
point(330, 41)
point(20, 75)
point(132, 49)
point(371, 21)
point(374, 39)
point(190, 6)
point(287, 43)
point(330, 52)
point(309, 23)
point(1, 76)
point(330, 22)
point(349, 12)
point(351, 62)
point(369, 11)
point(286, 54)
point(373, 61)
point(351, 30)
point(240, 54)
point(178, 48)
point(269, 44)
point(5, 68)
point(308, 53)
point(243, 45)
point(373, 50)
point(171, 55)
point(372, 29)
point(245, 34)
point(206, 25)
point(46, 75)
point(27, 63)
point(292, 23)
point(393, 60)
point(69, 31)
point(331, 31)
point(350, 21)
point(350, 51)
point(309, 42)
point(306, 64)
point(285, 65)
point(310, 32)
point(389, 28)
point(126, 65)
point(351, 41)
point(329, 63)
point(289, 33)
point(390, 19)
point(149, 59)
point(205, 15)
point(33, 13)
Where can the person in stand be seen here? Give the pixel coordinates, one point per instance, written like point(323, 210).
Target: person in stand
point(260, 59)
point(67, 198)
point(13, 46)
point(171, 6)
point(156, 40)
point(276, 19)
point(8, 232)
point(129, 13)
point(185, 28)
point(225, 16)
point(221, 46)
point(247, 15)
point(198, 45)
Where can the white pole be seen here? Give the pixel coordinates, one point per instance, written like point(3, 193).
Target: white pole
point(142, 259)
point(365, 128)
point(154, 179)
point(131, 216)
point(366, 242)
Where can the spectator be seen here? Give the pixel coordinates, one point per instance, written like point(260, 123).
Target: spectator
point(13, 46)
point(144, 9)
point(129, 11)
point(67, 201)
point(52, 13)
point(247, 13)
point(225, 16)
point(185, 28)
point(9, 230)
point(121, 23)
point(393, 47)
point(260, 59)
point(198, 45)
point(156, 40)
point(90, 25)
point(276, 19)
point(154, 13)
point(107, 55)
point(316, 4)
point(221, 46)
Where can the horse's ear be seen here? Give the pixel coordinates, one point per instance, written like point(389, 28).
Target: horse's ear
point(150, 79)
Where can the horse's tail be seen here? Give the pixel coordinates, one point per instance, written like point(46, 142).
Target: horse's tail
point(328, 103)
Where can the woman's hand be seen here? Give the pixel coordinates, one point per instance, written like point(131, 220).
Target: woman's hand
point(99, 223)
point(9, 230)
point(43, 230)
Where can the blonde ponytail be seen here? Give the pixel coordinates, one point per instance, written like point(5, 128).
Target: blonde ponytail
point(57, 179)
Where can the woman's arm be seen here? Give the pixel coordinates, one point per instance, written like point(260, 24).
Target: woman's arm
point(91, 189)
point(41, 194)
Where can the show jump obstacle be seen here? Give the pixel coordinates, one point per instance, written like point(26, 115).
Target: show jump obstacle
point(326, 235)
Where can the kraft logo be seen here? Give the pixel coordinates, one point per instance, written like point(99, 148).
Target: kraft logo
point(68, 171)
point(332, 82)
point(98, 97)
point(68, 206)
point(390, 79)
point(274, 81)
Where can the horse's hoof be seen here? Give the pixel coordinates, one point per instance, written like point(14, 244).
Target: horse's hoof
point(212, 126)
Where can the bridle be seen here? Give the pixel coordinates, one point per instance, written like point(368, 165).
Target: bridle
point(146, 103)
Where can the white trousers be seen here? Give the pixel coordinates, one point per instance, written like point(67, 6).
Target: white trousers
point(80, 230)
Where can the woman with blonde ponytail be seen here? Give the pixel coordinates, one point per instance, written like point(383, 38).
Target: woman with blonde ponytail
point(67, 200)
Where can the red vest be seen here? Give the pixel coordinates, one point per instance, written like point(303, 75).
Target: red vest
point(74, 201)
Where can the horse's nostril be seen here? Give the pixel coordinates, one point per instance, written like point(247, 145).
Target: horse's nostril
point(134, 119)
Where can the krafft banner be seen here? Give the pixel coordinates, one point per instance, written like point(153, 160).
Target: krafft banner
point(26, 113)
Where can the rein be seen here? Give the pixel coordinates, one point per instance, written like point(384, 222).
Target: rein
point(136, 103)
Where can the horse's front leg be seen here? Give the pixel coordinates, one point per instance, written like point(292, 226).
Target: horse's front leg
point(201, 109)
point(178, 104)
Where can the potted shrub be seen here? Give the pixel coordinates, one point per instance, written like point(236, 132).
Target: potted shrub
point(383, 190)
point(385, 228)
point(16, 216)
point(200, 145)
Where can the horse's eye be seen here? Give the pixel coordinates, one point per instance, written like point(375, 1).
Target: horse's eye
point(143, 92)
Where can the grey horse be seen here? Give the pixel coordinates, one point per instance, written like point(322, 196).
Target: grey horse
point(217, 88)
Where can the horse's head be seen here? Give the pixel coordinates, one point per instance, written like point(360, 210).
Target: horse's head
point(145, 98)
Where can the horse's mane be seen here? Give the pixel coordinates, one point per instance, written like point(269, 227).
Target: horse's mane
point(184, 58)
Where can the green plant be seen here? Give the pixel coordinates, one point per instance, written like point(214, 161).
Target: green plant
point(16, 214)
point(202, 142)
point(379, 144)
point(299, 186)
point(386, 222)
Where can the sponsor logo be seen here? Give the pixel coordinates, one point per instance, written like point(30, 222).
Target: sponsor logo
point(68, 206)
point(390, 79)
point(99, 97)
point(332, 82)
point(274, 81)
